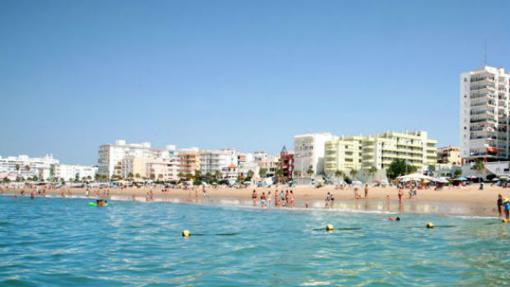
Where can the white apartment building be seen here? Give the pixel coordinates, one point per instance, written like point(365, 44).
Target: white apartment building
point(70, 172)
point(309, 153)
point(484, 112)
point(223, 161)
point(117, 159)
point(266, 161)
point(24, 166)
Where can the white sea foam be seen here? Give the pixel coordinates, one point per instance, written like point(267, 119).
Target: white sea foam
point(316, 283)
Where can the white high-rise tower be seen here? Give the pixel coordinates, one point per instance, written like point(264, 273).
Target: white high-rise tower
point(484, 112)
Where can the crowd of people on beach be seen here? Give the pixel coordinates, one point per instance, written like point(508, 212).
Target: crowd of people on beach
point(281, 199)
point(278, 198)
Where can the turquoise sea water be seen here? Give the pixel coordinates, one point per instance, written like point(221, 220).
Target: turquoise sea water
point(64, 242)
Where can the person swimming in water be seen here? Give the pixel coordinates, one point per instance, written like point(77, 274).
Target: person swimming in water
point(394, 218)
point(101, 202)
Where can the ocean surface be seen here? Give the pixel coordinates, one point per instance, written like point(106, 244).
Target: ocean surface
point(65, 242)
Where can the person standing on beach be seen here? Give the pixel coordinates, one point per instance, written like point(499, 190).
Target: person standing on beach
point(366, 190)
point(269, 199)
point(506, 205)
point(400, 194)
point(326, 201)
point(254, 197)
point(500, 204)
point(282, 198)
point(263, 202)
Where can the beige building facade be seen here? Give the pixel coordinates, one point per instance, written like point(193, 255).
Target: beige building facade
point(345, 154)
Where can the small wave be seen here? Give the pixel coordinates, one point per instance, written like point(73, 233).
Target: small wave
point(474, 217)
point(316, 283)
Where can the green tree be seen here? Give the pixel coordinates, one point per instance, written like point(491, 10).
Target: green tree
point(339, 174)
point(399, 167)
point(6, 180)
point(249, 175)
point(457, 172)
point(197, 175)
point(197, 178)
point(76, 177)
point(479, 165)
point(263, 172)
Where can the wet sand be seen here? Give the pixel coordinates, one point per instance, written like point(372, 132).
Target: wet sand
point(448, 200)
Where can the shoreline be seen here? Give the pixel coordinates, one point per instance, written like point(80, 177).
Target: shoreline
point(458, 201)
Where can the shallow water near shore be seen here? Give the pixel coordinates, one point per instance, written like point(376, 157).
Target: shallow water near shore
point(62, 242)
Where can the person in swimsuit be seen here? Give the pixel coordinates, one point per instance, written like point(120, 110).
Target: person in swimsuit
point(263, 200)
point(506, 206)
point(500, 204)
point(254, 197)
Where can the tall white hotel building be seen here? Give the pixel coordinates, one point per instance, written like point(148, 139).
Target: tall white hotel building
point(484, 114)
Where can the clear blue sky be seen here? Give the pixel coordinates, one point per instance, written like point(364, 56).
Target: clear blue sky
point(243, 74)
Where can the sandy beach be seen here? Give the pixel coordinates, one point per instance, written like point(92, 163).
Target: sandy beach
point(467, 200)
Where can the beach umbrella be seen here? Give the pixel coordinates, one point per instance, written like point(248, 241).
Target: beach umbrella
point(460, 178)
point(495, 179)
point(441, 180)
